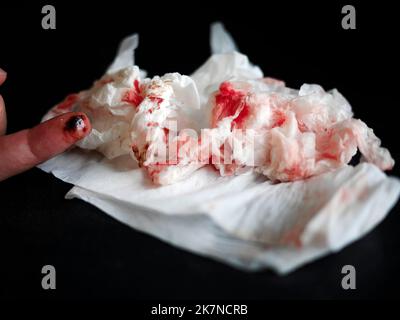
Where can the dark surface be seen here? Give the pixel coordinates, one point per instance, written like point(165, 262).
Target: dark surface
point(94, 255)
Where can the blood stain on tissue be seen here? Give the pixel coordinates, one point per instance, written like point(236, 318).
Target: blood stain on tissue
point(327, 155)
point(302, 127)
point(297, 136)
point(68, 102)
point(152, 124)
point(135, 95)
point(280, 118)
point(294, 173)
point(227, 102)
point(155, 99)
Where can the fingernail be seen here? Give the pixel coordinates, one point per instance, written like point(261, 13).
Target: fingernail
point(77, 126)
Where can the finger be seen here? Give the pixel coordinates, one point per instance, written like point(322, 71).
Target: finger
point(3, 76)
point(3, 117)
point(27, 148)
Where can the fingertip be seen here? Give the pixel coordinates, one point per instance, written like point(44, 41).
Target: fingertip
point(72, 126)
point(58, 134)
point(3, 76)
point(27, 148)
point(77, 125)
point(3, 117)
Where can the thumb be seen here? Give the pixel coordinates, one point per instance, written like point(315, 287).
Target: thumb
point(27, 148)
point(3, 118)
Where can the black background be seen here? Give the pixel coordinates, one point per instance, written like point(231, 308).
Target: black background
point(97, 257)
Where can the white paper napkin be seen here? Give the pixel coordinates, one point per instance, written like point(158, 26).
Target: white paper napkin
point(245, 221)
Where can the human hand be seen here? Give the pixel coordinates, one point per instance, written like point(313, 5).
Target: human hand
point(27, 148)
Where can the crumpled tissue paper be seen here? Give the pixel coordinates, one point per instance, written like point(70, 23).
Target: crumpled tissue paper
point(245, 221)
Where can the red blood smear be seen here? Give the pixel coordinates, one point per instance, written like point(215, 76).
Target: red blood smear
point(135, 151)
point(242, 117)
point(280, 118)
point(328, 156)
point(294, 173)
point(155, 99)
point(166, 133)
point(68, 102)
point(135, 95)
point(154, 170)
point(136, 85)
point(302, 127)
point(228, 101)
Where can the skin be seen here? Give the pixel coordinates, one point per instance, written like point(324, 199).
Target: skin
point(27, 148)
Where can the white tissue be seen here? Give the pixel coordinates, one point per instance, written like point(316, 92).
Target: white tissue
point(244, 221)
